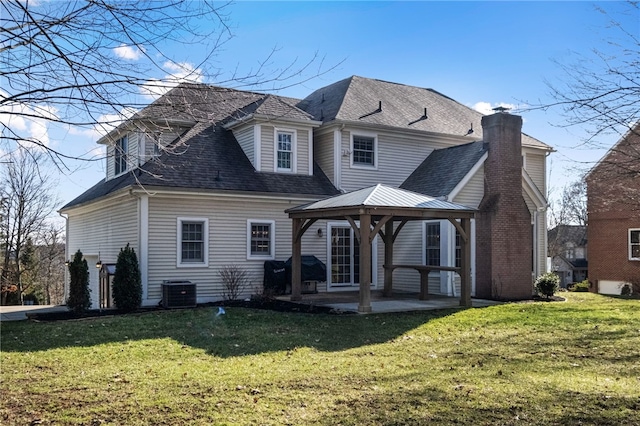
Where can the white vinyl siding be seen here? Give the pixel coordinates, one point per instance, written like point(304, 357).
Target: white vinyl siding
point(129, 159)
point(245, 138)
point(408, 250)
point(267, 155)
point(268, 147)
point(535, 167)
point(324, 154)
point(472, 193)
point(397, 157)
point(104, 230)
point(227, 240)
point(100, 233)
point(150, 144)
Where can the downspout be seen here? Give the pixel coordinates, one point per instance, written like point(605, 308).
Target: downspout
point(66, 257)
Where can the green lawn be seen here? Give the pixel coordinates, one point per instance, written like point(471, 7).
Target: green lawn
point(576, 362)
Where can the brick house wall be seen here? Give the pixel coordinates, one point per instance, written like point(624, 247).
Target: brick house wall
point(613, 206)
point(504, 234)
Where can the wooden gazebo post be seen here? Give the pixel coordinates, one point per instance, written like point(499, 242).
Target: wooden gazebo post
point(465, 263)
point(296, 259)
point(404, 206)
point(388, 259)
point(365, 263)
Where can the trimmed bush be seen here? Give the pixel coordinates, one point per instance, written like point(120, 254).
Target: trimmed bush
point(582, 286)
point(79, 299)
point(547, 284)
point(127, 283)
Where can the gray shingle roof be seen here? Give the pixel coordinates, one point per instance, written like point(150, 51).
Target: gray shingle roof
point(357, 99)
point(211, 159)
point(443, 169)
point(562, 234)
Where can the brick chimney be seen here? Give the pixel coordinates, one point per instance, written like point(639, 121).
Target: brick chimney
point(504, 233)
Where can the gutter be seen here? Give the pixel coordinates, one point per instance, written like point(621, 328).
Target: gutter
point(270, 118)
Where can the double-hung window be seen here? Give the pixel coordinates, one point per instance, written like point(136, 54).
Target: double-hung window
point(363, 148)
point(193, 242)
point(120, 154)
point(432, 240)
point(284, 154)
point(458, 254)
point(260, 239)
point(634, 244)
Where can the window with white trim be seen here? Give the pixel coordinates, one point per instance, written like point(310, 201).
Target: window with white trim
point(193, 244)
point(432, 244)
point(260, 239)
point(363, 150)
point(152, 144)
point(121, 148)
point(284, 150)
point(634, 244)
point(458, 254)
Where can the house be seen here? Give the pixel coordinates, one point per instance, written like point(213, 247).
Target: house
point(568, 253)
point(202, 177)
point(613, 206)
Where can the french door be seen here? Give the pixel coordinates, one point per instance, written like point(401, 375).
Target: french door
point(344, 258)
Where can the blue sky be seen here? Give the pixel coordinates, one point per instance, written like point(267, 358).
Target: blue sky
point(478, 53)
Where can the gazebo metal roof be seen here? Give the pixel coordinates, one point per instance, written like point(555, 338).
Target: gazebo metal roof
point(381, 200)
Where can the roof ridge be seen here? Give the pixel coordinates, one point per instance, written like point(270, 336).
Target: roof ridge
point(375, 188)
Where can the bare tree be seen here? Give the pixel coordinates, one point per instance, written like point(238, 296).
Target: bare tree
point(52, 257)
point(28, 201)
point(571, 207)
point(87, 63)
point(600, 92)
point(568, 217)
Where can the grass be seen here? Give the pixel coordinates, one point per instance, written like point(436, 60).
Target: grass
point(576, 362)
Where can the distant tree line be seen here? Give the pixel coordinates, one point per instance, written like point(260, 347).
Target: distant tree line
point(32, 248)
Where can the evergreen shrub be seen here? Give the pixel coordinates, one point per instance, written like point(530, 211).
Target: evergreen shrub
point(127, 283)
point(79, 299)
point(547, 284)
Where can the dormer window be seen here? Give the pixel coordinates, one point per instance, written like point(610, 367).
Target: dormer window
point(285, 150)
point(120, 154)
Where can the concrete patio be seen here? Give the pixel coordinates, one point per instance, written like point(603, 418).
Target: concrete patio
point(347, 301)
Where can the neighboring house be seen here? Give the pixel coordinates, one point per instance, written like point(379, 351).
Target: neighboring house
point(202, 177)
point(568, 253)
point(613, 205)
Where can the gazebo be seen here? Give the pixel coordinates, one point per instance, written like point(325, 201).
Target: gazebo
point(382, 210)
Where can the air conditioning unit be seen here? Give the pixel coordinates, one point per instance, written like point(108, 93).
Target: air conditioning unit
point(178, 294)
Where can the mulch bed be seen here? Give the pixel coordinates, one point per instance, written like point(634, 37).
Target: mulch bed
point(267, 304)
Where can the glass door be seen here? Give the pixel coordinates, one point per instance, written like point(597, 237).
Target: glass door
point(344, 258)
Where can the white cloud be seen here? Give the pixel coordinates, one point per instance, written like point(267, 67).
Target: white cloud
point(132, 53)
point(486, 108)
point(28, 122)
point(179, 72)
